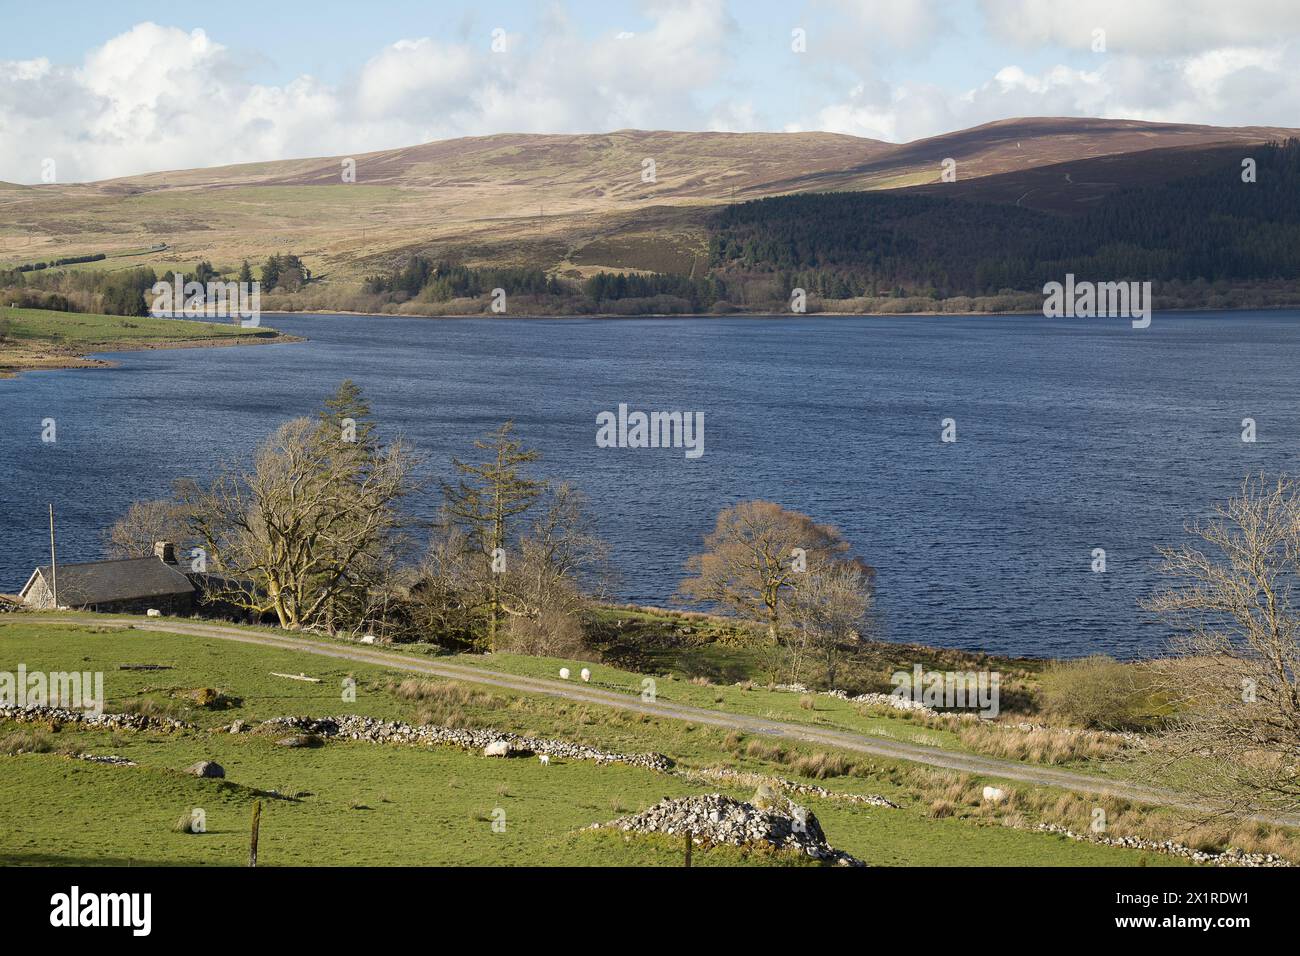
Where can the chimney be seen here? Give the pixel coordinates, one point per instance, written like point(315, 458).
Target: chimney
point(165, 551)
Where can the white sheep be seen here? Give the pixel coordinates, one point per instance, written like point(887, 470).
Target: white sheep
point(545, 759)
point(585, 675)
point(564, 673)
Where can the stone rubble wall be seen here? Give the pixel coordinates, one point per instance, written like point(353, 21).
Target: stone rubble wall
point(374, 730)
point(718, 819)
point(58, 715)
point(1230, 857)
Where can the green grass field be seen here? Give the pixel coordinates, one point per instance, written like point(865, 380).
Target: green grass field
point(88, 331)
point(366, 804)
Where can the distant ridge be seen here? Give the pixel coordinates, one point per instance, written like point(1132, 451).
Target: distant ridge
point(576, 204)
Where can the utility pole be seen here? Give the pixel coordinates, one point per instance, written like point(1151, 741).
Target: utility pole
point(54, 567)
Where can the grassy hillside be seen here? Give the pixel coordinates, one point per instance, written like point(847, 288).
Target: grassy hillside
point(355, 803)
point(572, 205)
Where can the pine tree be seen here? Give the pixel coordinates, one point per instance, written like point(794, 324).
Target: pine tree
point(487, 499)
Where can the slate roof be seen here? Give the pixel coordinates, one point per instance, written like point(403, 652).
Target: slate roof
point(102, 582)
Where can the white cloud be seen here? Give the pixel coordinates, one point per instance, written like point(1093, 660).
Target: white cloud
point(897, 25)
point(158, 97)
point(1143, 26)
point(1239, 86)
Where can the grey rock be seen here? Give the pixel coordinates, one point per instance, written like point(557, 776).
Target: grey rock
point(718, 819)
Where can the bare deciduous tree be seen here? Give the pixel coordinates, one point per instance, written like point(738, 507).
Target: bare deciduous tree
point(1237, 685)
point(444, 597)
point(752, 559)
point(308, 529)
point(831, 612)
point(145, 523)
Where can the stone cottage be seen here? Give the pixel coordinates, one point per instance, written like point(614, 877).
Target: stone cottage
point(123, 586)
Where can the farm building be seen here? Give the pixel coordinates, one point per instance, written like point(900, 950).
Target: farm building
point(128, 585)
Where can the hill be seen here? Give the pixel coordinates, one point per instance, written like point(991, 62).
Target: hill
point(571, 205)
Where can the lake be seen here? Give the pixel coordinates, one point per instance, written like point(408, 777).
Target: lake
point(1071, 435)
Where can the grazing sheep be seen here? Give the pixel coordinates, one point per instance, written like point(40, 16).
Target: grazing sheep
point(994, 794)
point(585, 675)
point(564, 673)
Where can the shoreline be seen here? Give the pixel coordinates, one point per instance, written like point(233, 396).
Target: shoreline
point(739, 315)
point(54, 358)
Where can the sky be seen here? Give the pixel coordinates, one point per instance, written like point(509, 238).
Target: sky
point(95, 90)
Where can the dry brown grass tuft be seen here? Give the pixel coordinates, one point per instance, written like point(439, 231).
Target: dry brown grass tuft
point(153, 707)
point(445, 703)
point(821, 765)
point(1038, 745)
point(25, 741)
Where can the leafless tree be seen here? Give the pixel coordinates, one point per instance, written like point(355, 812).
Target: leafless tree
point(755, 558)
point(446, 592)
point(831, 613)
point(306, 531)
point(1237, 684)
point(145, 523)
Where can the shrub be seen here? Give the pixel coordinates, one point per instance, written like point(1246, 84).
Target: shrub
point(1101, 693)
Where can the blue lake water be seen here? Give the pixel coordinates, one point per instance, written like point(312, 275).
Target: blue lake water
point(1072, 435)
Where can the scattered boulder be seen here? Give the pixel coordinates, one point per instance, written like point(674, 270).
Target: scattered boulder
point(208, 697)
point(301, 740)
point(207, 768)
point(238, 727)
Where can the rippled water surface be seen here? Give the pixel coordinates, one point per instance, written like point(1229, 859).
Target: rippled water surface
point(1072, 435)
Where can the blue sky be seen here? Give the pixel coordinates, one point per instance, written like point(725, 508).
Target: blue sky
point(116, 88)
